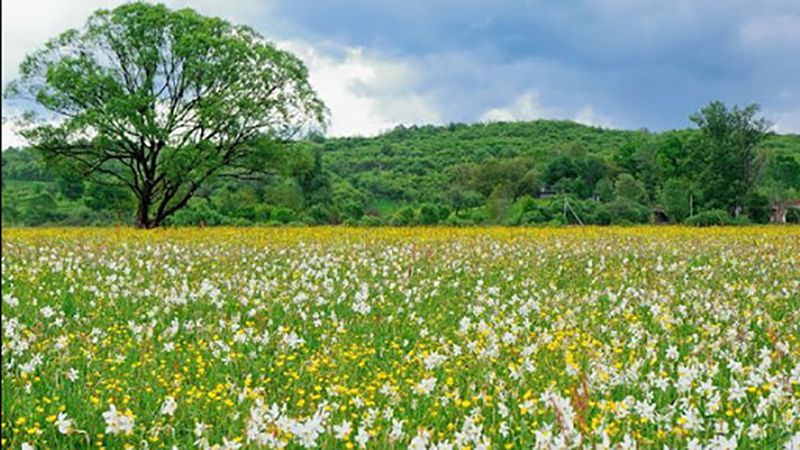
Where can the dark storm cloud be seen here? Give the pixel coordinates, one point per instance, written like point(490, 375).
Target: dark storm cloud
point(642, 63)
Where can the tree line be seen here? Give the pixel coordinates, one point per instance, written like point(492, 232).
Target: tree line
point(524, 173)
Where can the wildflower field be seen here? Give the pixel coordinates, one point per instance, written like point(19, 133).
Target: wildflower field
point(422, 338)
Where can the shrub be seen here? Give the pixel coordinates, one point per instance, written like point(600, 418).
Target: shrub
point(623, 210)
point(428, 214)
point(404, 216)
point(197, 214)
point(319, 215)
point(282, 215)
point(371, 221)
point(710, 218)
point(757, 207)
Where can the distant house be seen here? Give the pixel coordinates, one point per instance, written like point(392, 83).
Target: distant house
point(780, 209)
point(547, 193)
point(658, 215)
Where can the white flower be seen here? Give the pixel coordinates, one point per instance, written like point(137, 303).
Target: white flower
point(199, 428)
point(420, 441)
point(755, 432)
point(723, 443)
point(795, 375)
point(169, 406)
point(627, 443)
point(72, 374)
point(47, 312)
point(64, 423)
point(61, 342)
point(691, 419)
point(736, 392)
point(342, 430)
point(425, 386)
point(397, 430)
point(793, 443)
point(434, 360)
point(308, 431)
point(117, 422)
point(230, 445)
point(292, 340)
point(26, 446)
point(362, 437)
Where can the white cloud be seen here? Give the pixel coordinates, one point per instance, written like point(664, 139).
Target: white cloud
point(771, 32)
point(528, 107)
point(786, 121)
point(524, 107)
point(28, 25)
point(588, 116)
point(366, 94)
point(10, 138)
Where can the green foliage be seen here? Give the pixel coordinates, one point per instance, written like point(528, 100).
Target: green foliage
point(429, 214)
point(605, 190)
point(630, 188)
point(70, 186)
point(171, 99)
point(756, 207)
point(101, 197)
point(676, 199)
point(710, 218)
point(626, 211)
point(282, 215)
point(725, 153)
point(404, 216)
point(199, 213)
point(510, 173)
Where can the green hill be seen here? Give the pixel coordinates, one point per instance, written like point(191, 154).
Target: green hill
point(513, 173)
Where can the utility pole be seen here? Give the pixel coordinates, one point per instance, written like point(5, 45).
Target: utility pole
point(566, 205)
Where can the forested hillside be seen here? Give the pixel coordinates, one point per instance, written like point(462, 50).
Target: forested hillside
point(496, 173)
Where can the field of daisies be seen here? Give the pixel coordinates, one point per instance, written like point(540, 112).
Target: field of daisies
point(420, 338)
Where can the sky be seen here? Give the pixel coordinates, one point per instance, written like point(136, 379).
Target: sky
point(613, 63)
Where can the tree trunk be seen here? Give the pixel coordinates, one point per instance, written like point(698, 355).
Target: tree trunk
point(779, 211)
point(143, 214)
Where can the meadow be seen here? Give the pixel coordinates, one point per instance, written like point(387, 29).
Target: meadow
point(421, 338)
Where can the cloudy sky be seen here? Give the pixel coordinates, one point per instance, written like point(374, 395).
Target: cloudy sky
point(613, 63)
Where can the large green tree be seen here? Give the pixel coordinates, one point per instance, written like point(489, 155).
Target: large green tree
point(160, 101)
point(725, 153)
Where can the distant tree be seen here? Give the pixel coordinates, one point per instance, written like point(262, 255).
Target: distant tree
point(70, 185)
point(530, 184)
point(559, 172)
point(404, 216)
point(630, 188)
point(782, 185)
point(38, 208)
point(625, 211)
point(428, 214)
point(497, 204)
point(162, 101)
point(757, 207)
point(110, 197)
point(676, 199)
point(315, 183)
point(354, 209)
point(605, 190)
point(725, 154)
point(460, 199)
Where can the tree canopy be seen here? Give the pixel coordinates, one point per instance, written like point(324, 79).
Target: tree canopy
point(725, 152)
point(162, 101)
